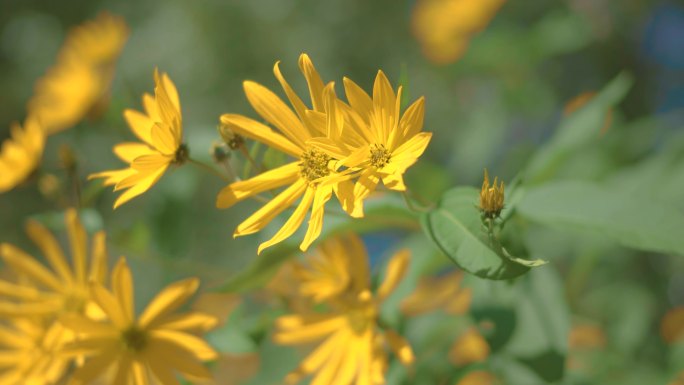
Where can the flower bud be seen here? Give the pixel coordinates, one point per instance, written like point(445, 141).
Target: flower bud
point(491, 198)
point(232, 140)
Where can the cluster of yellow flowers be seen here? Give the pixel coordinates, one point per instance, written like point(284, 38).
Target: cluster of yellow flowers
point(75, 87)
point(62, 319)
point(74, 320)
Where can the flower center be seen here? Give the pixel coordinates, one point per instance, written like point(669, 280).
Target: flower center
point(181, 155)
point(379, 156)
point(363, 314)
point(314, 164)
point(134, 338)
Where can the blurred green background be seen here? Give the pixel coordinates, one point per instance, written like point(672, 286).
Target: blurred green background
point(492, 108)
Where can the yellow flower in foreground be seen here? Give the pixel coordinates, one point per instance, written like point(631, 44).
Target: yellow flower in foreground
point(160, 129)
point(445, 27)
point(353, 347)
point(491, 197)
point(63, 287)
point(141, 350)
point(28, 353)
point(78, 83)
point(21, 154)
point(377, 141)
point(304, 175)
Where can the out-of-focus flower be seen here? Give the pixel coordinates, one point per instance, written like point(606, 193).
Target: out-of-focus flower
point(587, 336)
point(491, 197)
point(478, 377)
point(580, 101)
point(160, 129)
point(21, 153)
point(444, 27)
point(352, 345)
point(64, 287)
point(28, 349)
point(672, 325)
point(373, 139)
point(305, 176)
point(140, 349)
point(78, 84)
point(469, 348)
point(438, 293)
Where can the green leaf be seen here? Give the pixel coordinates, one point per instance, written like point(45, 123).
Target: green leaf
point(455, 227)
point(576, 130)
point(583, 206)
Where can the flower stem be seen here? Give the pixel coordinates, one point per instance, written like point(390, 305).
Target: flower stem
point(414, 207)
point(210, 169)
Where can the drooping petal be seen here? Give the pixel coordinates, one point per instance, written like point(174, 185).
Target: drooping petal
point(293, 222)
point(143, 184)
point(323, 195)
point(366, 184)
point(270, 210)
point(394, 182)
point(313, 80)
point(177, 357)
point(268, 180)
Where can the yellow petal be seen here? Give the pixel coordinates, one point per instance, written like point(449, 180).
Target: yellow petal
point(358, 99)
point(109, 304)
point(345, 194)
point(271, 108)
point(293, 222)
point(25, 264)
point(98, 263)
point(268, 180)
point(50, 248)
point(143, 183)
point(309, 332)
point(358, 261)
point(123, 370)
point(168, 300)
point(469, 348)
point(161, 370)
point(409, 150)
point(411, 122)
point(313, 80)
point(394, 182)
point(129, 151)
point(163, 138)
point(270, 210)
point(81, 324)
point(299, 106)
point(122, 284)
point(194, 321)
point(192, 344)
point(94, 367)
point(366, 184)
point(140, 124)
point(400, 347)
point(139, 374)
point(252, 129)
point(395, 272)
point(176, 357)
point(78, 239)
point(322, 196)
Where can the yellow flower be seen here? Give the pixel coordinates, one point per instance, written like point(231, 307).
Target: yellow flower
point(62, 287)
point(376, 141)
point(353, 347)
point(445, 27)
point(78, 83)
point(21, 154)
point(145, 349)
point(27, 353)
point(160, 129)
point(491, 198)
point(438, 293)
point(304, 175)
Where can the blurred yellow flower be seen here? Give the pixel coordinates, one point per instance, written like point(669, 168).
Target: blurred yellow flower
point(78, 83)
point(478, 377)
point(352, 345)
point(304, 175)
point(64, 287)
point(470, 347)
point(21, 153)
point(672, 325)
point(438, 293)
point(491, 197)
point(145, 349)
point(28, 353)
point(444, 27)
point(160, 129)
point(376, 141)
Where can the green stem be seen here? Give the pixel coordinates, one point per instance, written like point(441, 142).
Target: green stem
point(210, 169)
point(413, 207)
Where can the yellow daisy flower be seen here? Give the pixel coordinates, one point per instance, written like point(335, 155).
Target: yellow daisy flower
point(444, 27)
point(21, 153)
point(376, 141)
point(144, 349)
point(352, 346)
point(160, 129)
point(304, 175)
point(78, 83)
point(27, 353)
point(61, 288)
